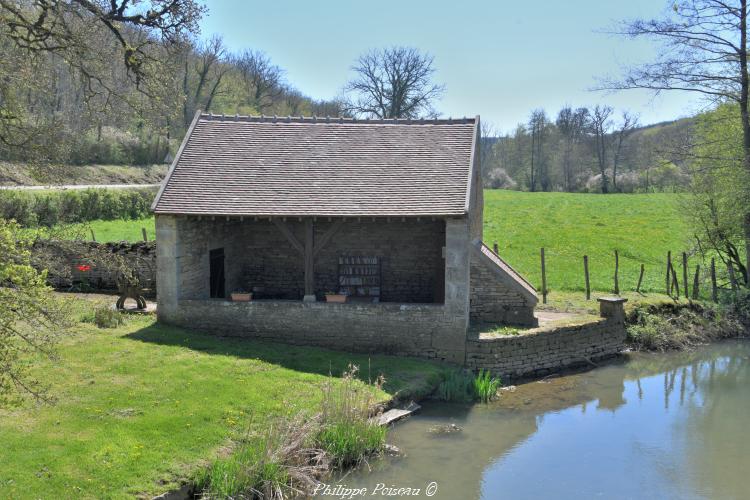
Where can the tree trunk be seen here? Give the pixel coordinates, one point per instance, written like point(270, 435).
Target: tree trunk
point(745, 122)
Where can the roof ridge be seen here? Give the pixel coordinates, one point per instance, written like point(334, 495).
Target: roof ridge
point(337, 119)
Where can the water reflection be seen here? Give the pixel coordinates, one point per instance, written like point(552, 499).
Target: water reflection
point(654, 426)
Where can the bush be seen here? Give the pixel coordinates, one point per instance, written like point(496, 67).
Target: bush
point(104, 317)
point(675, 326)
point(50, 208)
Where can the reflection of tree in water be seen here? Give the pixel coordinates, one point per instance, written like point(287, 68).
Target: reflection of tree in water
point(712, 390)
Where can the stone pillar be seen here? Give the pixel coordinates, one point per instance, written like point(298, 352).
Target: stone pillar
point(451, 339)
point(612, 308)
point(167, 266)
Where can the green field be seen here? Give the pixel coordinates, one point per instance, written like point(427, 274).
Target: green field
point(143, 405)
point(641, 227)
point(104, 230)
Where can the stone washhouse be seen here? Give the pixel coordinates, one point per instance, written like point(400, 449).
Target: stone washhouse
point(385, 212)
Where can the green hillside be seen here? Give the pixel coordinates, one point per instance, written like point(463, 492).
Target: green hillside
point(641, 227)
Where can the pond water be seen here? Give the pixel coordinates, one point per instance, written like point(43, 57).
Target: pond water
point(650, 426)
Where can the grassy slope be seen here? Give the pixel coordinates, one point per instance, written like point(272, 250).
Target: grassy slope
point(15, 174)
point(144, 403)
point(104, 230)
point(642, 227)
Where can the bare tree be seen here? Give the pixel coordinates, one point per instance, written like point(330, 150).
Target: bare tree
point(209, 67)
point(538, 124)
point(628, 123)
point(262, 78)
point(599, 129)
point(395, 82)
point(703, 50)
point(571, 125)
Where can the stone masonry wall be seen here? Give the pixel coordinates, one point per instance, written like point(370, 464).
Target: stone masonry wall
point(258, 257)
point(493, 302)
point(542, 352)
point(420, 330)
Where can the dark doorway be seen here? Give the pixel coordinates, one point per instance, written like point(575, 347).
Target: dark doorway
point(217, 273)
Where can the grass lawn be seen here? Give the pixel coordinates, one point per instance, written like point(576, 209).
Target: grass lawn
point(144, 404)
point(108, 230)
point(641, 227)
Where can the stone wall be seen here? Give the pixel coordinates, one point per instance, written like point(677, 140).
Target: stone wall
point(494, 301)
point(420, 330)
point(543, 351)
point(258, 257)
point(62, 259)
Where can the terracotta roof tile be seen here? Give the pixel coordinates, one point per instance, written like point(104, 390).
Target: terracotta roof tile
point(320, 166)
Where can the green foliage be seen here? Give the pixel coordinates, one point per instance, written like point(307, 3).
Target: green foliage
point(50, 208)
point(642, 227)
point(456, 385)
point(104, 316)
point(721, 186)
point(485, 386)
point(29, 316)
point(678, 326)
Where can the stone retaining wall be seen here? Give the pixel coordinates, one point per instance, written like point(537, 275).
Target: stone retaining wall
point(543, 351)
point(422, 330)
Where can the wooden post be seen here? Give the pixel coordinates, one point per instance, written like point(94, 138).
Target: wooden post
point(675, 283)
point(544, 279)
point(714, 291)
point(696, 284)
point(685, 275)
point(495, 248)
point(669, 270)
point(145, 235)
point(93, 236)
point(640, 279)
point(309, 260)
point(617, 273)
point(586, 274)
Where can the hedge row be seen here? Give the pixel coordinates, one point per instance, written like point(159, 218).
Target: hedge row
point(49, 208)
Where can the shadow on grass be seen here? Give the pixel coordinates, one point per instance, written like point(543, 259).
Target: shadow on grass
point(405, 377)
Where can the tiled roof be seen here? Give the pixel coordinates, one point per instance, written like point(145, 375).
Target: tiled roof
point(266, 166)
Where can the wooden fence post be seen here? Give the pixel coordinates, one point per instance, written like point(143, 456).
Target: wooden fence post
point(675, 283)
point(586, 274)
point(669, 269)
point(685, 274)
point(695, 282)
point(495, 248)
point(93, 236)
point(714, 291)
point(544, 278)
point(617, 273)
point(143, 232)
point(640, 279)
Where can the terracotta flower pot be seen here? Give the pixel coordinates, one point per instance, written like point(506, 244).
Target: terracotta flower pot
point(241, 297)
point(336, 297)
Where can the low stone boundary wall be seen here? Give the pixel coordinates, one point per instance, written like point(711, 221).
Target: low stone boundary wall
point(422, 330)
point(544, 351)
point(86, 263)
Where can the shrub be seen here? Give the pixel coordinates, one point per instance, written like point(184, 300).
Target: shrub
point(104, 317)
point(347, 434)
point(485, 386)
point(47, 209)
point(457, 386)
point(673, 326)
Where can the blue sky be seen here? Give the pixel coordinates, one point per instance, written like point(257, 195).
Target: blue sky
point(499, 59)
